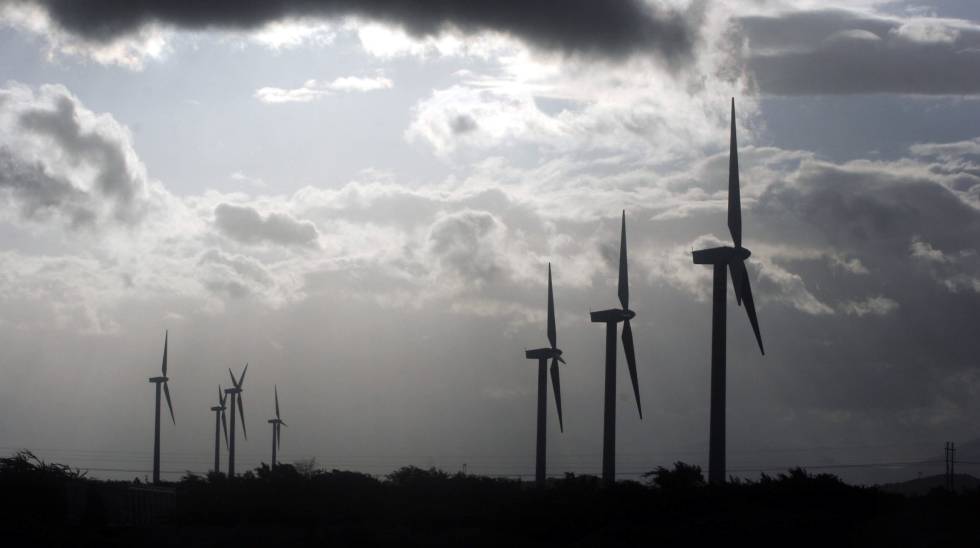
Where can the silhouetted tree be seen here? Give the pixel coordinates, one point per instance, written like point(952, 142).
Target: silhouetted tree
point(682, 477)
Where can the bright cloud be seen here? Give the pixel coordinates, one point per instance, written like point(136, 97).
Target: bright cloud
point(312, 90)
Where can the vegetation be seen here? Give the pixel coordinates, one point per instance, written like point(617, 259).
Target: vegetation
point(305, 505)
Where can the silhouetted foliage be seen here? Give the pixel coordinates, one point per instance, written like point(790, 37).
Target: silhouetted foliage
point(304, 505)
point(682, 477)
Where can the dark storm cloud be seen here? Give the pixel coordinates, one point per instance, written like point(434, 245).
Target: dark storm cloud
point(572, 26)
point(246, 225)
point(39, 195)
point(864, 204)
point(908, 331)
point(842, 52)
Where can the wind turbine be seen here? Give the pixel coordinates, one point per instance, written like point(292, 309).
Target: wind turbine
point(612, 317)
point(543, 355)
point(276, 423)
point(156, 424)
point(725, 259)
point(236, 397)
point(219, 423)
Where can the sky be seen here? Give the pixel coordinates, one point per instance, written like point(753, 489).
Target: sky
point(361, 199)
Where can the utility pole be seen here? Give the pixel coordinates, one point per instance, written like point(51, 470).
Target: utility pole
point(952, 466)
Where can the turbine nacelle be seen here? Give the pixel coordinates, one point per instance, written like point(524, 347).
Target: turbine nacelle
point(544, 354)
point(233, 390)
point(217, 408)
point(159, 379)
point(613, 315)
point(721, 255)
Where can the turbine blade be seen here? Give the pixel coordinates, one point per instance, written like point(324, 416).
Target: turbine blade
point(241, 380)
point(734, 198)
point(276, 388)
point(233, 381)
point(241, 412)
point(562, 360)
point(631, 362)
point(221, 397)
point(166, 335)
point(624, 283)
point(166, 392)
point(278, 437)
point(737, 282)
point(556, 385)
point(750, 304)
point(224, 427)
point(552, 332)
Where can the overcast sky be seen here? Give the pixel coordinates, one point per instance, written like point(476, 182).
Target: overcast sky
point(360, 199)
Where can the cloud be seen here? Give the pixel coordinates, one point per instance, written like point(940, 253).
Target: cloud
point(312, 89)
point(924, 251)
point(956, 271)
point(872, 306)
point(778, 284)
point(38, 195)
point(469, 116)
point(279, 35)
point(130, 51)
point(856, 52)
point(234, 276)
point(246, 225)
point(244, 179)
point(59, 158)
point(354, 83)
point(468, 243)
point(571, 26)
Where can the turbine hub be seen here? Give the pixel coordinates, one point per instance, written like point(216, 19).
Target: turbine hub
point(742, 253)
point(628, 314)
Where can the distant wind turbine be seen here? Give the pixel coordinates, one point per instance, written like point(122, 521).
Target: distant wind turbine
point(612, 317)
point(732, 259)
point(543, 355)
point(236, 398)
point(156, 424)
point(277, 424)
point(219, 424)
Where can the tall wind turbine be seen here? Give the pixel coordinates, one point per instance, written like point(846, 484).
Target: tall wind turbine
point(725, 259)
point(543, 355)
point(612, 317)
point(236, 397)
point(276, 423)
point(156, 424)
point(219, 423)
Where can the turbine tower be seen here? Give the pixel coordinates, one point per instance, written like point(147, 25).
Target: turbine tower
point(276, 423)
point(543, 355)
point(219, 424)
point(726, 259)
point(156, 424)
point(612, 317)
point(236, 398)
